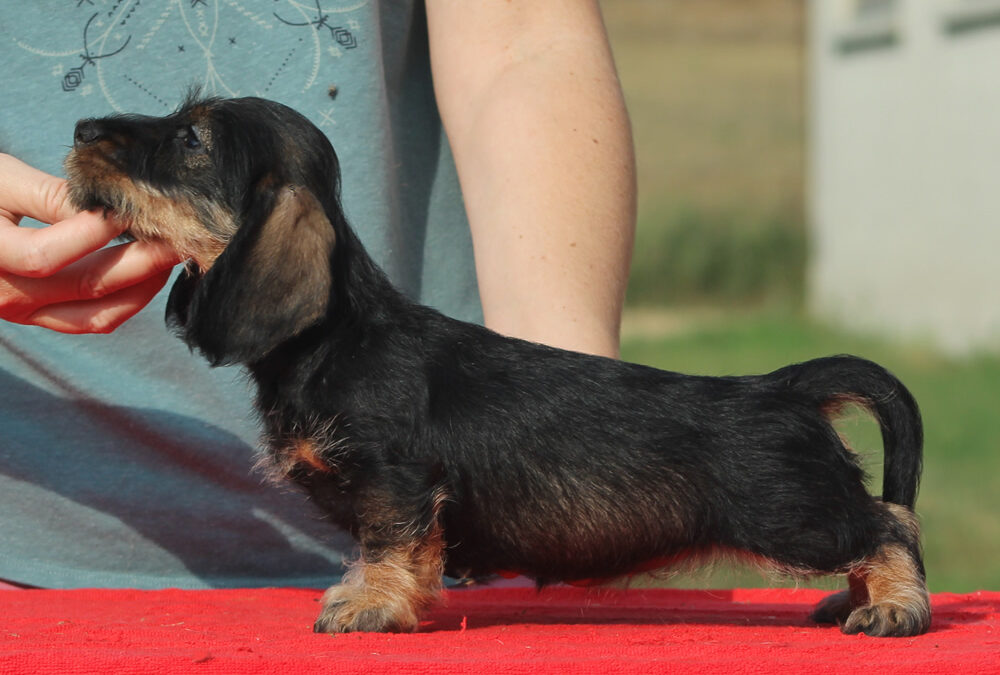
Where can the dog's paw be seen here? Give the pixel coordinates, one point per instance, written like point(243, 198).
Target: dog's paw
point(887, 620)
point(834, 609)
point(349, 609)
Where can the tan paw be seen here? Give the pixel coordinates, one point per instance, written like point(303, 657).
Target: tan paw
point(348, 609)
point(887, 620)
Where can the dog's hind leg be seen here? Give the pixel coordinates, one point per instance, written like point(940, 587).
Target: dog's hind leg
point(888, 592)
point(836, 608)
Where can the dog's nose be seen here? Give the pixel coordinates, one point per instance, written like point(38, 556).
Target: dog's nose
point(87, 131)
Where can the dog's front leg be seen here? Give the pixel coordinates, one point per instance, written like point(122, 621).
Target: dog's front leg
point(397, 576)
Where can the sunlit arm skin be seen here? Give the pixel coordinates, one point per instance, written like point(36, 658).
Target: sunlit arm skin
point(534, 112)
point(60, 276)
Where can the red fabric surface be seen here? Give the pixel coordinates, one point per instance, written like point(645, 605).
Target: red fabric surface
point(508, 630)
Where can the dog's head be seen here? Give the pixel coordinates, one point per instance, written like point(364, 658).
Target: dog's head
point(247, 191)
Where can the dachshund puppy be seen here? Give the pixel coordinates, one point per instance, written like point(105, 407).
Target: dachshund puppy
point(445, 447)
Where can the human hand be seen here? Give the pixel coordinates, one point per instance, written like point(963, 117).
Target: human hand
point(60, 277)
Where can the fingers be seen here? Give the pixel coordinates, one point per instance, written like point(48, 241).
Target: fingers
point(92, 295)
point(61, 276)
point(106, 272)
point(39, 252)
point(102, 315)
point(26, 191)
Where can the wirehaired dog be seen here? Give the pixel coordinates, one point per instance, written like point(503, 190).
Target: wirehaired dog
point(445, 447)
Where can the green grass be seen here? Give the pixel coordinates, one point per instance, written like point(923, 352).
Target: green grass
point(715, 93)
point(959, 502)
point(697, 256)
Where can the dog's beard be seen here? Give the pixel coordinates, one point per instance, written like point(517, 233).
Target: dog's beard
point(88, 193)
point(197, 232)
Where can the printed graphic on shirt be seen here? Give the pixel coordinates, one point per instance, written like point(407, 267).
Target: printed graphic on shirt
point(139, 54)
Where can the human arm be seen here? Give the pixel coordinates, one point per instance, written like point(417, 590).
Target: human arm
point(59, 276)
point(534, 113)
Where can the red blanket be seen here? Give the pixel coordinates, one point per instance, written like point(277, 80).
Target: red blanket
point(507, 630)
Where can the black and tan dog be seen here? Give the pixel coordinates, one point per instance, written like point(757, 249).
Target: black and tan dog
point(443, 446)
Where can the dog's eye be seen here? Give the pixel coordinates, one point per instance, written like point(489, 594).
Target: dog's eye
point(188, 136)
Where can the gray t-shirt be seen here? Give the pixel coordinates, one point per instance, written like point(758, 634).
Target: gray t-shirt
point(124, 459)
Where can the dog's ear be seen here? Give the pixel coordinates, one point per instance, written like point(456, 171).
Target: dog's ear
point(272, 281)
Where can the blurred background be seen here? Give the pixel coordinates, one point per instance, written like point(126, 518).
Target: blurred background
point(817, 177)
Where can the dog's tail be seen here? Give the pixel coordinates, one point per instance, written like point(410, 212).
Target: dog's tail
point(838, 380)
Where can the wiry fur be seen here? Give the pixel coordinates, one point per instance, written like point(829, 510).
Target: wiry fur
point(441, 445)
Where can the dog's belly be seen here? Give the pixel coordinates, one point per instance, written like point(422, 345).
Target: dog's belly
point(595, 573)
point(551, 543)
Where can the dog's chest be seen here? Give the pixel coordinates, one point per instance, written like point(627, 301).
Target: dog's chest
point(300, 454)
